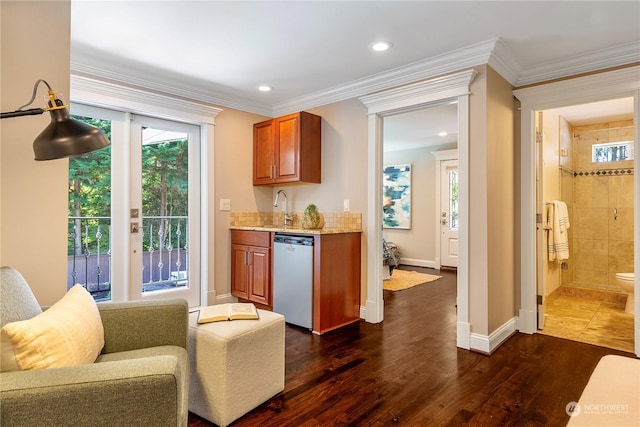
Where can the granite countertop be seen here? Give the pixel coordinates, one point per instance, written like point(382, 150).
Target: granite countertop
point(292, 230)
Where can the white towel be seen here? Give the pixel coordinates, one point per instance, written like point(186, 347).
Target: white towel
point(558, 226)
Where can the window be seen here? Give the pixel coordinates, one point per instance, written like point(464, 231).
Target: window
point(612, 152)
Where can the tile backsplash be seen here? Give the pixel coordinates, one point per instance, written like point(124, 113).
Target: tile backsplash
point(332, 220)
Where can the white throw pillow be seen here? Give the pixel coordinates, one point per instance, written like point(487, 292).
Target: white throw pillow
point(69, 333)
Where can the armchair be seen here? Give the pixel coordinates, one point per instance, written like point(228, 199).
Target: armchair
point(141, 377)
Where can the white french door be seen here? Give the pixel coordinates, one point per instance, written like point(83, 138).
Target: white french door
point(149, 244)
point(164, 210)
point(449, 213)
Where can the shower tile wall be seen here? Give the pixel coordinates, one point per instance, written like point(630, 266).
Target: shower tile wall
point(601, 242)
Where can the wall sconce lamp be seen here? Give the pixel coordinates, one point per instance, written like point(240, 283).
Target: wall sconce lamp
point(64, 136)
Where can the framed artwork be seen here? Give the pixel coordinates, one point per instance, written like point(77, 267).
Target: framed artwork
point(396, 197)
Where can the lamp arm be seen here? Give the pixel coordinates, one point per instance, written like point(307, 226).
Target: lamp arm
point(53, 105)
point(19, 113)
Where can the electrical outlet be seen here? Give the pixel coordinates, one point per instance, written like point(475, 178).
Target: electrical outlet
point(225, 204)
point(346, 205)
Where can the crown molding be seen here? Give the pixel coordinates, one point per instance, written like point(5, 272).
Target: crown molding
point(155, 82)
point(113, 95)
point(624, 54)
point(453, 61)
point(495, 53)
point(503, 61)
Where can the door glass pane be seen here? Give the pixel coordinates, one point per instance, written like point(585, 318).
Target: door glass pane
point(89, 224)
point(453, 199)
point(165, 204)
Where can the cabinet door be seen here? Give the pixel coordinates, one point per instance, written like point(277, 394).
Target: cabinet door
point(263, 153)
point(287, 148)
point(260, 268)
point(239, 276)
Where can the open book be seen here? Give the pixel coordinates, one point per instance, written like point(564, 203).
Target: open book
point(231, 311)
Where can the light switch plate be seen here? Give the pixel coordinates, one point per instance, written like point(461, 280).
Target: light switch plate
point(346, 205)
point(225, 204)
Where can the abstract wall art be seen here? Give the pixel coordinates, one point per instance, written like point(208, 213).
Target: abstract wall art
point(396, 196)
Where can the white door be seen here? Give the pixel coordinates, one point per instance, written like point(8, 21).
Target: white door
point(449, 213)
point(135, 210)
point(165, 189)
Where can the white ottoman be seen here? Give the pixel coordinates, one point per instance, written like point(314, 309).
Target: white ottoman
point(235, 365)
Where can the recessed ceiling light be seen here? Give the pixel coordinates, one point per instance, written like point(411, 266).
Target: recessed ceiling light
point(442, 134)
point(265, 88)
point(380, 46)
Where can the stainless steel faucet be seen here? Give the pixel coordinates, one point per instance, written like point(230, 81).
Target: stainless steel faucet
point(288, 219)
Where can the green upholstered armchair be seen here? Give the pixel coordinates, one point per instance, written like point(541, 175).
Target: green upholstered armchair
point(141, 378)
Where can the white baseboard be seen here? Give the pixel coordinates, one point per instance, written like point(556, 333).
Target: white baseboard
point(363, 312)
point(225, 298)
point(418, 262)
point(487, 344)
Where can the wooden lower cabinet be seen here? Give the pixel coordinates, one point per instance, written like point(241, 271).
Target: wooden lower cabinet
point(251, 266)
point(336, 274)
point(336, 281)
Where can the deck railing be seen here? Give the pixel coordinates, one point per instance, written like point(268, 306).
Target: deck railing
point(164, 258)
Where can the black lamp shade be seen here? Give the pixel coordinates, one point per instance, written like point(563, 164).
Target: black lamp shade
point(65, 137)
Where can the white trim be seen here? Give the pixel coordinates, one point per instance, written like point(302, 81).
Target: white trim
point(412, 97)
point(628, 53)
point(207, 178)
point(487, 344)
point(224, 298)
point(596, 87)
point(609, 85)
point(94, 92)
point(375, 305)
point(636, 228)
point(494, 52)
point(119, 97)
point(463, 218)
point(406, 97)
point(419, 262)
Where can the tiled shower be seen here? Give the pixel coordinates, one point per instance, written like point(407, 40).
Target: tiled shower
point(599, 197)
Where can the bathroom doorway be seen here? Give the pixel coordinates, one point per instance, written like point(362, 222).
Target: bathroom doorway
point(585, 170)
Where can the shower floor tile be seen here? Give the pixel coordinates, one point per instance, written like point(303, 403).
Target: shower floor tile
point(594, 322)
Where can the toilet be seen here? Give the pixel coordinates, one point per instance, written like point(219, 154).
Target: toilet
point(626, 281)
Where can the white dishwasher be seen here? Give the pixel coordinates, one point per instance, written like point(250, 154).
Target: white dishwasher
point(293, 279)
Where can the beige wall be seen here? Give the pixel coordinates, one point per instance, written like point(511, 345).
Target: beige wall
point(35, 45)
point(478, 212)
point(233, 171)
point(501, 200)
point(492, 195)
point(344, 175)
point(418, 243)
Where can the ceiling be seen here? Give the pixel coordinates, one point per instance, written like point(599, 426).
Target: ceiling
point(317, 52)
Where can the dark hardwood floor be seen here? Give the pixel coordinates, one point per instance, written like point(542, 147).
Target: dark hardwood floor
point(407, 371)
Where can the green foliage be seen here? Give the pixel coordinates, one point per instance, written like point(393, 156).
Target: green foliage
point(164, 188)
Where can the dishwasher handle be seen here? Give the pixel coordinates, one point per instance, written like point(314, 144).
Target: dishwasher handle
point(293, 240)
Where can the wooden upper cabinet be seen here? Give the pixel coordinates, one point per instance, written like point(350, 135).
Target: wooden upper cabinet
point(287, 149)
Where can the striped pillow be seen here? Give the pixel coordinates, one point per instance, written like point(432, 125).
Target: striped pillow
point(69, 333)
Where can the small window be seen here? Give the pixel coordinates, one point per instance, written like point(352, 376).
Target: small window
point(612, 152)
